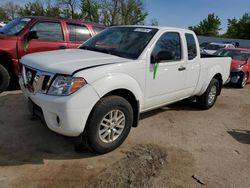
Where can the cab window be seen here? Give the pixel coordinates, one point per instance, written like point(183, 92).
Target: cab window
point(50, 31)
point(191, 46)
point(78, 33)
point(169, 42)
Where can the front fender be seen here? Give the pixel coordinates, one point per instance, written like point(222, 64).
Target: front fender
point(116, 81)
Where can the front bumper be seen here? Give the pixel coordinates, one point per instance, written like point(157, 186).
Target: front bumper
point(66, 115)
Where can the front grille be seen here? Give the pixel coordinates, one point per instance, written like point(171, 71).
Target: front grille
point(36, 80)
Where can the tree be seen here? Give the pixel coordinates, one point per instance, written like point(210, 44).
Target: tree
point(132, 12)
point(52, 10)
point(69, 7)
point(11, 10)
point(32, 9)
point(120, 12)
point(3, 15)
point(89, 10)
point(239, 29)
point(208, 27)
point(154, 22)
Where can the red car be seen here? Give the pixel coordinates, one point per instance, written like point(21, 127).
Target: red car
point(26, 35)
point(240, 66)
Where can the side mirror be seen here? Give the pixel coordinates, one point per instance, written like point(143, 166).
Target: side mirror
point(163, 56)
point(31, 35)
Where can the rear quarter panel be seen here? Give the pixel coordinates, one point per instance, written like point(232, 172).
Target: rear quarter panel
point(209, 68)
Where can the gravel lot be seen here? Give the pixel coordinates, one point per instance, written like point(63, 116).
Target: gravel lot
point(171, 145)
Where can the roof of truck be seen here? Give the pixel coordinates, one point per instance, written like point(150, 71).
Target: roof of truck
point(156, 27)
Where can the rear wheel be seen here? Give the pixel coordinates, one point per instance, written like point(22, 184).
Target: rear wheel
point(109, 124)
point(242, 81)
point(208, 99)
point(4, 79)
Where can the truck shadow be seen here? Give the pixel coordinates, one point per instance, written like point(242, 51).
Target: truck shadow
point(242, 136)
point(27, 141)
point(184, 105)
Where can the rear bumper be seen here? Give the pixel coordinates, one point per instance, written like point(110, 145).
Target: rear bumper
point(64, 115)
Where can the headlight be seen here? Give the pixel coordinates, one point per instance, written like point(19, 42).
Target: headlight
point(66, 85)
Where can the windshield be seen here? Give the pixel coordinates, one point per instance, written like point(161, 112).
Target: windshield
point(15, 26)
point(127, 42)
point(234, 54)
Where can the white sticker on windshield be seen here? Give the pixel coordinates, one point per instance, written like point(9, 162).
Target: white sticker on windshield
point(25, 19)
point(144, 30)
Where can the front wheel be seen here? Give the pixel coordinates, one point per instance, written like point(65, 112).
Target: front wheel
point(108, 125)
point(208, 99)
point(242, 81)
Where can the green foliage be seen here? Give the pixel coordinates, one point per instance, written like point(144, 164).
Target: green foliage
point(108, 12)
point(122, 12)
point(154, 22)
point(89, 10)
point(132, 12)
point(3, 15)
point(239, 28)
point(32, 9)
point(9, 11)
point(69, 8)
point(208, 27)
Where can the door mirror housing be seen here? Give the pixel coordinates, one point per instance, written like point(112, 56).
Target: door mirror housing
point(31, 35)
point(163, 56)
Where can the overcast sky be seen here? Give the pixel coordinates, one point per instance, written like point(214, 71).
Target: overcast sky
point(184, 13)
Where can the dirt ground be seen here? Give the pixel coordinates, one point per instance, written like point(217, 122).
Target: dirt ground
point(171, 145)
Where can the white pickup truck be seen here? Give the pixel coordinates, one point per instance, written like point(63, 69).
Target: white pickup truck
point(97, 92)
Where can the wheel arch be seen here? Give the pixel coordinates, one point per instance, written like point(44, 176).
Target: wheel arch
point(124, 86)
point(6, 61)
point(130, 97)
point(218, 77)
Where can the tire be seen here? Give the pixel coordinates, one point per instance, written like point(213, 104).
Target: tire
point(94, 134)
point(4, 79)
point(242, 81)
point(208, 99)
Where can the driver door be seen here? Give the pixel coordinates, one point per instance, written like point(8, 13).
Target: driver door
point(169, 82)
point(49, 37)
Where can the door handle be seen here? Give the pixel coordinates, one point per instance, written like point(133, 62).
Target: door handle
point(181, 68)
point(62, 47)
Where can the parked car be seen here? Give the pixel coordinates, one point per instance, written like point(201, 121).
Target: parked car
point(235, 43)
point(240, 66)
point(26, 35)
point(2, 24)
point(213, 47)
point(97, 92)
point(204, 44)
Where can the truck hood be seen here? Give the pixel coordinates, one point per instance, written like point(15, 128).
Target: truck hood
point(69, 61)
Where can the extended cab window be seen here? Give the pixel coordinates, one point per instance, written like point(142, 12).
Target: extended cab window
point(78, 33)
point(191, 46)
point(169, 42)
point(50, 31)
